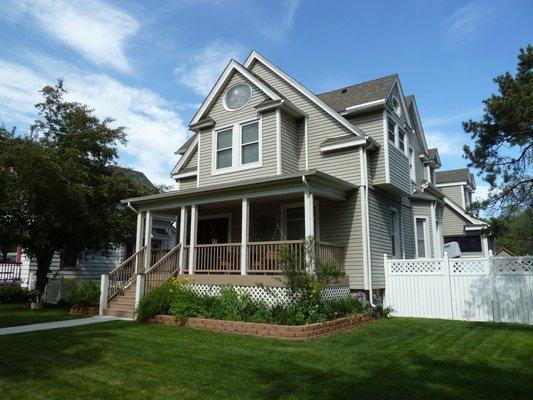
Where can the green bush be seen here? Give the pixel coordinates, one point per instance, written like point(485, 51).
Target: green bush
point(86, 294)
point(159, 299)
point(12, 293)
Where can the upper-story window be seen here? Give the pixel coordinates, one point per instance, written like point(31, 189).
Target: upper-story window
point(237, 147)
point(401, 139)
point(395, 233)
point(250, 142)
point(225, 148)
point(412, 170)
point(237, 97)
point(392, 130)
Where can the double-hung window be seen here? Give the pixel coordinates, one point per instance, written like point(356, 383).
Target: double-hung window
point(224, 142)
point(392, 130)
point(412, 170)
point(250, 143)
point(394, 233)
point(401, 139)
point(421, 237)
point(237, 147)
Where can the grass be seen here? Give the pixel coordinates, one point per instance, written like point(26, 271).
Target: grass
point(391, 359)
point(18, 314)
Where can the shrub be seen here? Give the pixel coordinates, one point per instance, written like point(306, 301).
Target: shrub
point(159, 299)
point(86, 294)
point(12, 293)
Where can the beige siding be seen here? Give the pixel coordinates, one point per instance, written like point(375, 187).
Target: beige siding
point(289, 144)
point(188, 183)
point(340, 223)
point(224, 118)
point(379, 211)
point(452, 223)
point(193, 162)
point(372, 125)
point(454, 193)
point(320, 126)
point(423, 209)
point(399, 169)
point(419, 165)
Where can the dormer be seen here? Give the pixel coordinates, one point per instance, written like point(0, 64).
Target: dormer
point(458, 185)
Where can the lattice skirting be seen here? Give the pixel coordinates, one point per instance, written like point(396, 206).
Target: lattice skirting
point(269, 294)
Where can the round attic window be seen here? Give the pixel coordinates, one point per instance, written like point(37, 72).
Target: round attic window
point(396, 106)
point(237, 96)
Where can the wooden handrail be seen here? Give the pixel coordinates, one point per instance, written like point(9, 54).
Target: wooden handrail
point(123, 275)
point(163, 270)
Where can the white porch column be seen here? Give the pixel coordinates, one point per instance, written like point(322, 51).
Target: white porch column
point(309, 215)
point(104, 285)
point(194, 231)
point(485, 245)
point(245, 233)
point(138, 238)
point(148, 239)
point(183, 237)
point(139, 289)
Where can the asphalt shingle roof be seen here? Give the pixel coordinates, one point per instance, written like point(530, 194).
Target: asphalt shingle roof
point(360, 93)
point(453, 175)
point(137, 176)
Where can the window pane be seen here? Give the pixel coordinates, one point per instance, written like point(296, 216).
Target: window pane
point(295, 213)
point(224, 139)
point(250, 133)
point(421, 237)
point(421, 248)
point(296, 229)
point(401, 139)
point(224, 158)
point(391, 125)
point(466, 243)
point(250, 153)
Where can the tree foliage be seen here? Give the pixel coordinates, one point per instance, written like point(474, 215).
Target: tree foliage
point(514, 232)
point(61, 189)
point(503, 148)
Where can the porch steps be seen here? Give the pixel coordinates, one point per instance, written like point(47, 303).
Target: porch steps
point(122, 305)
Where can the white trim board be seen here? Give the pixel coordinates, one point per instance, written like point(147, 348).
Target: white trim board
point(224, 77)
point(186, 156)
point(345, 145)
point(255, 56)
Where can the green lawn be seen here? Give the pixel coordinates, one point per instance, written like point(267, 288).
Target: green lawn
point(17, 314)
point(390, 359)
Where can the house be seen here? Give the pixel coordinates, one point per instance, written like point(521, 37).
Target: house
point(270, 163)
point(90, 265)
point(505, 252)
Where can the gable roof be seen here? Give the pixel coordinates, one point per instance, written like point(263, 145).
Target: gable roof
point(255, 56)
point(412, 108)
point(223, 78)
point(191, 148)
point(185, 145)
point(360, 93)
point(453, 175)
point(136, 176)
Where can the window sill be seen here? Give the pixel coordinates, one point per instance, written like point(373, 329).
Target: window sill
point(230, 170)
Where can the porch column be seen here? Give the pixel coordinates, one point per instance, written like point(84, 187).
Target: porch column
point(148, 239)
point(183, 237)
point(194, 231)
point(138, 238)
point(245, 233)
point(309, 215)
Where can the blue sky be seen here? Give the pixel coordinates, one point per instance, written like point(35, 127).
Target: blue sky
point(149, 64)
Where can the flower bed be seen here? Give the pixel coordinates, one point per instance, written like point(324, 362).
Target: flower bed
point(288, 332)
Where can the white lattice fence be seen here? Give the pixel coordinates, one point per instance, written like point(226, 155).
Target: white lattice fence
point(270, 295)
point(471, 289)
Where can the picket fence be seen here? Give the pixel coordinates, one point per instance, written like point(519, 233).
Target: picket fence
point(498, 289)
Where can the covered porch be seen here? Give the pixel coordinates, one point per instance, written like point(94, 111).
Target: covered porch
point(227, 231)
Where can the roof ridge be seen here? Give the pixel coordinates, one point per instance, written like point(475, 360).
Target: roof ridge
point(360, 83)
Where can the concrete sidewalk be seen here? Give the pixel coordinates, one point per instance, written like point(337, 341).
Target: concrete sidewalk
point(59, 324)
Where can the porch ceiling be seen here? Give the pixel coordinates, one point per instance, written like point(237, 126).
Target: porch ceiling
point(317, 182)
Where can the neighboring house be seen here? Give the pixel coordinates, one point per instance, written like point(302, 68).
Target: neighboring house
point(505, 252)
point(271, 163)
point(90, 265)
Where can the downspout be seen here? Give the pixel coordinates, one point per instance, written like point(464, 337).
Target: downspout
point(365, 218)
point(133, 208)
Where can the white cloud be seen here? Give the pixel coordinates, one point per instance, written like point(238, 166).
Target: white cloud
point(446, 143)
point(467, 20)
point(207, 65)
point(482, 192)
point(154, 129)
point(94, 29)
point(276, 30)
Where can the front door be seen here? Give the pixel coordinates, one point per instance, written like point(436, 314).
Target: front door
point(213, 230)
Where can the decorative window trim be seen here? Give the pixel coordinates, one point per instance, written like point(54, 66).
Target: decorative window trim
point(227, 91)
point(236, 155)
point(427, 248)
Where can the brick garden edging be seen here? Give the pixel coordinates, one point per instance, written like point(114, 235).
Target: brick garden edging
point(290, 332)
point(84, 310)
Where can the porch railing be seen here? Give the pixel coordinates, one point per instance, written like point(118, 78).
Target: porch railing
point(157, 255)
point(329, 252)
point(10, 271)
point(162, 270)
point(263, 257)
point(220, 257)
point(124, 274)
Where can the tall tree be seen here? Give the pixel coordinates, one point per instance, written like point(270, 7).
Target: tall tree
point(62, 190)
point(515, 232)
point(503, 148)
